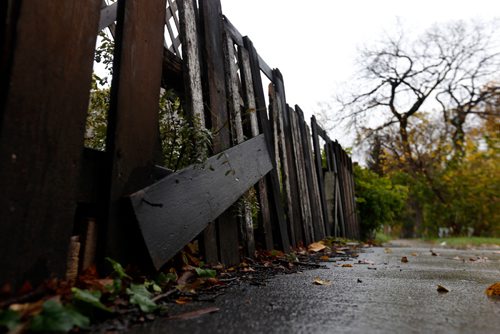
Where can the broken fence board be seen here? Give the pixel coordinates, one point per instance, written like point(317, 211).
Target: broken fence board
point(170, 216)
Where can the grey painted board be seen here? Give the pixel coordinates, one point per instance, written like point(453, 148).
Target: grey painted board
point(176, 209)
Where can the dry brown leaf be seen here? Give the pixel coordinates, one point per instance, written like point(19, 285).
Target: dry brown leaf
point(324, 258)
point(319, 281)
point(347, 265)
point(404, 259)
point(183, 300)
point(28, 309)
point(414, 254)
point(316, 247)
point(442, 289)
point(493, 290)
point(388, 250)
point(194, 314)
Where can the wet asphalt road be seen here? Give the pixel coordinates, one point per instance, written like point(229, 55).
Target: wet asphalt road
point(395, 297)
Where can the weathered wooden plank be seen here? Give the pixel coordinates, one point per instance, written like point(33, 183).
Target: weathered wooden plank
point(291, 174)
point(170, 216)
point(193, 92)
point(274, 186)
point(277, 102)
point(46, 66)
point(266, 69)
point(108, 16)
point(232, 31)
point(329, 188)
point(251, 115)
point(317, 217)
point(233, 89)
point(319, 173)
point(305, 205)
point(172, 74)
point(316, 190)
point(215, 88)
point(133, 116)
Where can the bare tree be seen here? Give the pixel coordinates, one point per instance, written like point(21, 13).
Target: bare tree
point(448, 64)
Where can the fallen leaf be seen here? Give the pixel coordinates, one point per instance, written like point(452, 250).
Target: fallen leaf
point(316, 247)
point(207, 273)
point(493, 290)
point(347, 265)
point(319, 281)
point(414, 254)
point(194, 314)
point(141, 297)
point(183, 300)
point(185, 277)
point(442, 289)
point(27, 309)
point(404, 259)
point(457, 258)
point(91, 298)
point(324, 258)
point(388, 250)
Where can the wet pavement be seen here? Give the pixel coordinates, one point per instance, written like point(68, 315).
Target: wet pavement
point(383, 296)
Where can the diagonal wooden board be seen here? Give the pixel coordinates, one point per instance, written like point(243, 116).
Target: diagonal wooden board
point(174, 210)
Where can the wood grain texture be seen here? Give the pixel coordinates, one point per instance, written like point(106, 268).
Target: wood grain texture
point(133, 117)
point(299, 163)
point(274, 195)
point(251, 117)
point(214, 58)
point(170, 216)
point(47, 76)
point(316, 129)
point(233, 90)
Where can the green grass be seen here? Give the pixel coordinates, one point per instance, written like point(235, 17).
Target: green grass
point(465, 241)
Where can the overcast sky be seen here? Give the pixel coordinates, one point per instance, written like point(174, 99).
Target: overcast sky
point(314, 43)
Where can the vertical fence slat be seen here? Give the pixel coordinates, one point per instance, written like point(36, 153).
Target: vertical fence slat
point(274, 195)
point(44, 105)
point(276, 113)
point(191, 55)
point(233, 87)
point(320, 223)
point(251, 113)
point(215, 88)
point(289, 173)
point(319, 174)
point(133, 116)
point(305, 206)
point(317, 216)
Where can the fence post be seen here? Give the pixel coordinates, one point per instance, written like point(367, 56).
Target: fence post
point(46, 76)
point(217, 99)
point(133, 117)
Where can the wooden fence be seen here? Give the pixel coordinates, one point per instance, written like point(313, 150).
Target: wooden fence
point(54, 188)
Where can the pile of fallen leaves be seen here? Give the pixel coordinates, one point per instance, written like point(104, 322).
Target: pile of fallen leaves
point(124, 298)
